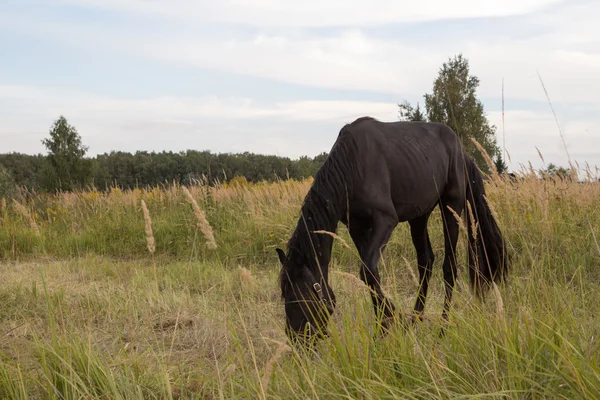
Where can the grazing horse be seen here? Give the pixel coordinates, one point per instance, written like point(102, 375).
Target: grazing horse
point(377, 175)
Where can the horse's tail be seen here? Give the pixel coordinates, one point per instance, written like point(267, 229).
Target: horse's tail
point(488, 258)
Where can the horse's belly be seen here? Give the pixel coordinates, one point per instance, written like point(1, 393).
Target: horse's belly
point(410, 210)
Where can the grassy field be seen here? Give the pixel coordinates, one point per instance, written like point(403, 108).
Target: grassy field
point(91, 309)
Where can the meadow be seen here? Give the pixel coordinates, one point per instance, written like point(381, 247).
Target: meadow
point(171, 292)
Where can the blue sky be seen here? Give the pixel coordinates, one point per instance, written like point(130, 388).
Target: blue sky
point(281, 78)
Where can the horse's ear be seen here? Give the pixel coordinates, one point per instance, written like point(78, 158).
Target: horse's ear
point(281, 255)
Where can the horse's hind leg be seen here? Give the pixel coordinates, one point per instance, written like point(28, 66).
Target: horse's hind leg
point(371, 236)
point(425, 258)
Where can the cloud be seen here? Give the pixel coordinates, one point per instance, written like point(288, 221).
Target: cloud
point(567, 76)
point(292, 128)
point(316, 13)
point(347, 59)
point(528, 131)
point(352, 56)
point(50, 101)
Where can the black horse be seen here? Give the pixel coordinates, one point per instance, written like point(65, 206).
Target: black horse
point(377, 175)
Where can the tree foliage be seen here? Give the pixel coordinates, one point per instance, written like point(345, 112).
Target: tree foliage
point(25, 169)
point(7, 184)
point(409, 113)
point(453, 101)
point(555, 171)
point(501, 166)
point(65, 167)
point(144, 168)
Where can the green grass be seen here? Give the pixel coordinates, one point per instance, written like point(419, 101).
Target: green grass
point(87, 313)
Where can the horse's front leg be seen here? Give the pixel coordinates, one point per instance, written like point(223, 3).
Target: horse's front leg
point(371, 236)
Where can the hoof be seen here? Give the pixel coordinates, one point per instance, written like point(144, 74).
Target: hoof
point(387, 323)
point(410, 319)
point(416, 317)
point(442, 333)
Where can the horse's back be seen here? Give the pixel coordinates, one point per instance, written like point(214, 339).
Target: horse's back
point(416, 134)
point(406, 163)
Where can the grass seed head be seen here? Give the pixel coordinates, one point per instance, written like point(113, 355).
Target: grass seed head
point(149, 234)
point(21, 209)
point(202, 222)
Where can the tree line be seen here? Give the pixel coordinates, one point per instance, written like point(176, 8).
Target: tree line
point(453, 101)
point(141, 169)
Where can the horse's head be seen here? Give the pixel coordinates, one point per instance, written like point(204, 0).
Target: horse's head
point(309, 301)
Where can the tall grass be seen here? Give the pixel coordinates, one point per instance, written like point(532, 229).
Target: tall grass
point(246, 219)
point(166, 294)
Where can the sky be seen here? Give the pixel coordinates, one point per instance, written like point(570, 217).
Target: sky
point(282, 77)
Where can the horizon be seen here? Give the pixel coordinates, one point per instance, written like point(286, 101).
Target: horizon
point(282, 79)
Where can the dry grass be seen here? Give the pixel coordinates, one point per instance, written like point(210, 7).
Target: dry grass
point(86, 316)
point(270, 366)
point(487, 158)
point(246, 277)
point(148, 225)
point(201, 220)
point(21, 209)
point(335, 236)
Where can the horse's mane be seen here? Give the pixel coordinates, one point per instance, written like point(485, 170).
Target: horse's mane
point(324, 205)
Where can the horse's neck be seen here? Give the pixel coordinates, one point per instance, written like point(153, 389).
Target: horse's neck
point(313, 237)
point(324, 206)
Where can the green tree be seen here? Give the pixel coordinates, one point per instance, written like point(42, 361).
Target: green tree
point(408, 113)
point(8, 188)
point(454, 102)
point(66, 167)
point(554, 171)
point(145, 168)
point(24, 168)
point(501, 166)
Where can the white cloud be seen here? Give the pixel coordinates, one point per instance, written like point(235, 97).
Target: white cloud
point(51, 101)
point(352, 58)
point(526, 130)
point(316, 13)
point(175, 123)
point(567, 76)
point(349, 60)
